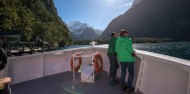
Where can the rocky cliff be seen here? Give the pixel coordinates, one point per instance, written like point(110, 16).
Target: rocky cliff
point(154, 19)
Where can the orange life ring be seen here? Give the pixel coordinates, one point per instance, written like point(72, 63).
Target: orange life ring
point(79, 64)
point(98, 68)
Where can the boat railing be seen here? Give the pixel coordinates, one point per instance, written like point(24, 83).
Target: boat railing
point(21, 48)
point(154, 73)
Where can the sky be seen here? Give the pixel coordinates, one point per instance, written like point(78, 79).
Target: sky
point(96, 13)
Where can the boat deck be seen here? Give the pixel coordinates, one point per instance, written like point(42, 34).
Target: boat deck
point(62, 83)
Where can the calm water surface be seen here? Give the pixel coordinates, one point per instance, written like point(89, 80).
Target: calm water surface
point(176, 49)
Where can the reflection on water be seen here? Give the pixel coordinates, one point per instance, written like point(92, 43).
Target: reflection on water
point(176, 49)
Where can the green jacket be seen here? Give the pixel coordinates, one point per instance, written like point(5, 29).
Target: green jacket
point(111, 46)
point(124, 49)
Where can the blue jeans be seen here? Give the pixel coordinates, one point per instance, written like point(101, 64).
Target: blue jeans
point(124, 66)
point(113, 66)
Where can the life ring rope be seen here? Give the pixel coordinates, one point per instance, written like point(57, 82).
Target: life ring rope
point(79, 64)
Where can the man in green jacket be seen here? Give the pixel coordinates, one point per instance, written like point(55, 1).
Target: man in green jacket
point(125, 54)
point(112, 58)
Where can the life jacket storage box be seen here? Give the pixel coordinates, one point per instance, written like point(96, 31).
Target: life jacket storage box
point(87, 74)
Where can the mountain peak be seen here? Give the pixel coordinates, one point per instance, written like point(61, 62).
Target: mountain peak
point(136, 2)
point(83, 31)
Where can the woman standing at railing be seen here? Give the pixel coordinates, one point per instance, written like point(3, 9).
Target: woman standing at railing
point(125, 54)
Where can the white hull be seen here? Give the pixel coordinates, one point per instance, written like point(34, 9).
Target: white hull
point(154, 73)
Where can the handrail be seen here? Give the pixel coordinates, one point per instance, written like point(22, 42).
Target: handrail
point(78, 53)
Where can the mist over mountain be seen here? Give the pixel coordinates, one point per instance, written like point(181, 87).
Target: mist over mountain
point(82, 31)
point(154, 19)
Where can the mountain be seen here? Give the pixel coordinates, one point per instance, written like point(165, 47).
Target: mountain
point(154, 19)
point(82, 31)
point(34, 18)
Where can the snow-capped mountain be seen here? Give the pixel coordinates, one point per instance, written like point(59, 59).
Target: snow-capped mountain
point(82, 31)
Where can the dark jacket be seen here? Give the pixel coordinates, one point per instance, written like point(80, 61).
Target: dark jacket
point(3, 58)
point(111, 46)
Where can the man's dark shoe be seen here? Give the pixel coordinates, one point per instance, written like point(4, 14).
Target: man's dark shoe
point(123, 89)
point(130, 89)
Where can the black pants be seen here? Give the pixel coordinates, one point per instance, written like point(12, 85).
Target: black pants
point(6, 90)
point(113, 65)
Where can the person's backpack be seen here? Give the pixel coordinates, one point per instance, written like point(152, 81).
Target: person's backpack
point(3, 59)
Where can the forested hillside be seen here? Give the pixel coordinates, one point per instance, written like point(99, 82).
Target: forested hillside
point(34, 18)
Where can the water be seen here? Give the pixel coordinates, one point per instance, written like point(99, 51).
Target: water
point(72, 46)
point(175, 49)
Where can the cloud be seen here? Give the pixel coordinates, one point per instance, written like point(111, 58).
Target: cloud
point(128, 4)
